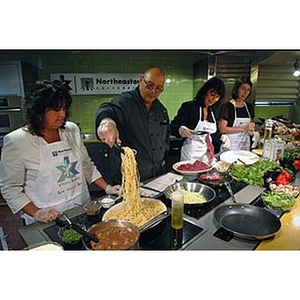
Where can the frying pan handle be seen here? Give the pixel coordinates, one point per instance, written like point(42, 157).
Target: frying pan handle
point(228, 186)
point(154, 221)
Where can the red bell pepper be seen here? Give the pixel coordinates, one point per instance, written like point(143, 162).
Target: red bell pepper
point(284, 178)
point(297, 164)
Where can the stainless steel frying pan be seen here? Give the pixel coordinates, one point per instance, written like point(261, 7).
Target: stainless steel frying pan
point(247, 221)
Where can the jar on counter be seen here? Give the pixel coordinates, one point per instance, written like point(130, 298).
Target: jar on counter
point(269, 145)
point(268, 129)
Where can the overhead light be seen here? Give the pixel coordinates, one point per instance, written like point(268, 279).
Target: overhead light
point(296, 69)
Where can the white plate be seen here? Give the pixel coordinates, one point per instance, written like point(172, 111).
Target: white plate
point(246, 156)
point(176, 165)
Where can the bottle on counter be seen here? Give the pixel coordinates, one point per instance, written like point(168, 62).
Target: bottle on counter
point(268, 147)
point(268, 129)
point(177, 210)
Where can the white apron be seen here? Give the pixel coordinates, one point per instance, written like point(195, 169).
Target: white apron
point(240, 140)
point(194, 147)
point(60, 182)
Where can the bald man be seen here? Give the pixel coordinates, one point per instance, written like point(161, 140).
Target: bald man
point(139, 120)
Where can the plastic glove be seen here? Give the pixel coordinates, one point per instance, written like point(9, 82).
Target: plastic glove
point(184, 131)
point(225, 140)
point(113, 190)
point(255, 139)
point(108, 132)
point(46, 215)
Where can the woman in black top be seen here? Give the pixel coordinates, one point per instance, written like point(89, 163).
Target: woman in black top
point(236, 117)
point(195, 121)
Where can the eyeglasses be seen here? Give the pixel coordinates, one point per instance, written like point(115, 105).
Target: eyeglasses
point(151, 86)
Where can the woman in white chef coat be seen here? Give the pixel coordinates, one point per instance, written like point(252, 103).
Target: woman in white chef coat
point(236, 117)
point(196, 122)
point(45, 165)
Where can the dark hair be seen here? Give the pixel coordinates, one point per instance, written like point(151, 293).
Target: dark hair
point(46, 95)
point(237, 84)
point(215, 84)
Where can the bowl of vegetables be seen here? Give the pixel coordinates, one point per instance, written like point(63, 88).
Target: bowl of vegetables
point(70, 236)
point(278, 201)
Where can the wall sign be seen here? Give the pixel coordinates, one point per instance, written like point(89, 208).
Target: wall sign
point(95, 84)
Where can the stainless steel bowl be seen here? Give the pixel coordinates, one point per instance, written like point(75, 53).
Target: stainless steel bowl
point(207, 192)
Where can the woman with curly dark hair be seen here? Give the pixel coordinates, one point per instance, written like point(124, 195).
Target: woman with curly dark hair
point(195, 122)
point(45, 165)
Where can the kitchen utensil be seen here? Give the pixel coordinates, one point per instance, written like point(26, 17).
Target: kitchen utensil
point(108, 201)
point(75, 227)
point(154, 221)
point(120, 148)
point(115, 238)
point(197, 132)
point(92, 208)
point(229, 189)
point(116, 145)
point(207, 192)
point(69, 236)
point(247, 221)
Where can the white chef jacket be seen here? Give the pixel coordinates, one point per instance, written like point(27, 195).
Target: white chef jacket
point(21, 163)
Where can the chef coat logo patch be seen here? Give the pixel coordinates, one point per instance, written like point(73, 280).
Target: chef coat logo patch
point(87, 84)
point(68, 169)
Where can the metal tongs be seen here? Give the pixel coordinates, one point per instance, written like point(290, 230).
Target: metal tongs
point(118, 146)
point(76, 228)
point(229, 189)
point(228, 185)
point(199, 132)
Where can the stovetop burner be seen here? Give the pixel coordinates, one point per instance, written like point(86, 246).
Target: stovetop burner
point(160, 237)
point(197, 211)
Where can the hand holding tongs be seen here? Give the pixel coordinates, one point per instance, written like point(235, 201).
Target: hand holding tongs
point(118, 146)
point(198, 132)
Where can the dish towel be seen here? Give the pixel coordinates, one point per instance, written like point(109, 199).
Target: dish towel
point(162, 182)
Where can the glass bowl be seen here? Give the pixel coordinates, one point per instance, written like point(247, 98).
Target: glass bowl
point(107, 201)
point(92, 208)
point(70, 236)
point(278, 201)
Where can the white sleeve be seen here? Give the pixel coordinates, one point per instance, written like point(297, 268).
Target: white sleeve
point(13, 175)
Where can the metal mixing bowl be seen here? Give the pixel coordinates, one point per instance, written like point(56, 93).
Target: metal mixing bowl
point(207, 192)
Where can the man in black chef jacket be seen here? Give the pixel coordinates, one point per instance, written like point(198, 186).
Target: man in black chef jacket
point(139, 120)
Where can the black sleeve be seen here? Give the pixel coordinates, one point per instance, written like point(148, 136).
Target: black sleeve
point(114, 110)
point(251, 110)
point(227, 113)
point(183, 118)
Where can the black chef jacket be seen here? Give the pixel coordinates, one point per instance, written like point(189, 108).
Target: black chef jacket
point(147, 132)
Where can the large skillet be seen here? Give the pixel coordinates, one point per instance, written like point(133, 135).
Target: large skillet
point(247, 221)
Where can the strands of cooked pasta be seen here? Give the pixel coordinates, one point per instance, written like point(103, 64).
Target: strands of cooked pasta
point(192, 197)
point(133, 208)
point(130, 188)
